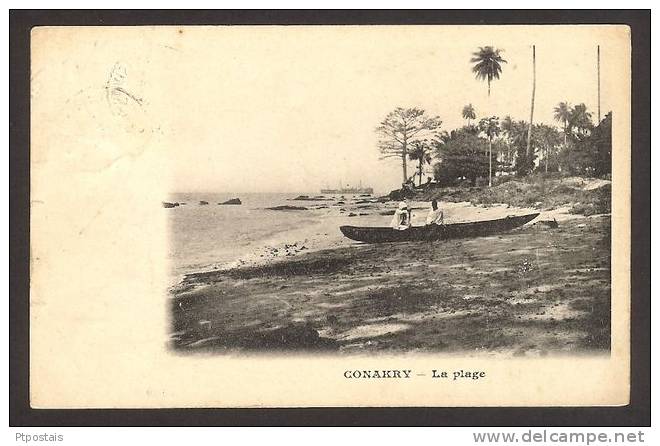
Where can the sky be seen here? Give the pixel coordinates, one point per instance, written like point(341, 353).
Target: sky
point(294, 109)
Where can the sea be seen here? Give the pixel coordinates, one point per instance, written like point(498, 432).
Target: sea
point(213, 236)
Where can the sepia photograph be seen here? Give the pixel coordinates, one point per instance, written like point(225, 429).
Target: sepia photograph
point(362, 191)
point(330, 216)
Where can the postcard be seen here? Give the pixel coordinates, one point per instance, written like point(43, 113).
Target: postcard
point(319, 216)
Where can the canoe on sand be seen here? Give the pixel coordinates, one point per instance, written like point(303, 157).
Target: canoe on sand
point(435, 232)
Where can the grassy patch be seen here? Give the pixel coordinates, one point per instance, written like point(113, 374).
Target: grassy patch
point(535, 192)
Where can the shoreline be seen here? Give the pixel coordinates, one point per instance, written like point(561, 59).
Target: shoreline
point(557, 199)
point(530, 291)
point(324, 234)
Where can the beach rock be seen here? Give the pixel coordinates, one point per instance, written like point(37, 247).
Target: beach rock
point(401, 194)
point(287, 208)
point(308, 198)
point(232, 201)
point(169, 205)
point(203, 203)
point(352, 214)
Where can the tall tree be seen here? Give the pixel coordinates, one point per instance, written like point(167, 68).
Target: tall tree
point(487, 64)
point(462, 154)
point(547, 140)
point(508, 127)
point(469, 113)
point(579, 122)
point(491, 127)
point(601, 140)
point(562, 114)
point(598, 70)
point(531, 113)
point(400, 128)
point(591, 148)
point(578, 159)
point(516, 136)
point(420, 151)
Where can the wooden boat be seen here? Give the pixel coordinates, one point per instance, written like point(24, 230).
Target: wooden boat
point(435, 232)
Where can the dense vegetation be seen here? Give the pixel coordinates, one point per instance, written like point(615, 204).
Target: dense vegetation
point(582, 149)
point(490, 150)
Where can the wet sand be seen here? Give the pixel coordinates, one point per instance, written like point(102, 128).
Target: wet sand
point(324, 233)
point(532, 291)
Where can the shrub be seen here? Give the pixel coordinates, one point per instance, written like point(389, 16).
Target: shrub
point(502, 179)
point(597, 201)
point(563, 189)
point(481, 181)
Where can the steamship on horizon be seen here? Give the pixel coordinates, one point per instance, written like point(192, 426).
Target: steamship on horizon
point(349, 190)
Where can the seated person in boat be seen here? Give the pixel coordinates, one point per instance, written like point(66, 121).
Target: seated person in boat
point(436, 216)
point(401, 219)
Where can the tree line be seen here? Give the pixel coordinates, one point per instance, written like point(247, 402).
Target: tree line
point(489, 146)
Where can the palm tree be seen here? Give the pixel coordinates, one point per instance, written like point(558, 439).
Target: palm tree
point(469, 113)
point(487, 64)
point(531, 114)
point(548, 140)
point(598, 70)
point(420, 151)
point(562, 114)
point(579, 122)
point(491, 127)
point(507, 127)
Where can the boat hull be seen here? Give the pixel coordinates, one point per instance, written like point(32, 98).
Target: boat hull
point(435, 232)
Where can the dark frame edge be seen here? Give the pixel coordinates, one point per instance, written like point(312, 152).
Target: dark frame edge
point(637, 413)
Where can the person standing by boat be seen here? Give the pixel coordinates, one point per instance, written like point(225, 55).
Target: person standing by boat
point(401, 219)
point(436, 216)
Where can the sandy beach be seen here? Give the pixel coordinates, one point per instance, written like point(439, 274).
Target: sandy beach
point(532, 291)
point(323, 232)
